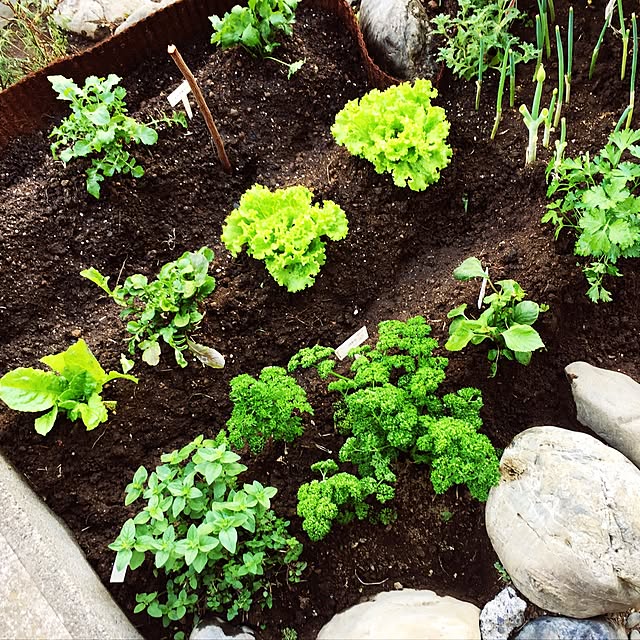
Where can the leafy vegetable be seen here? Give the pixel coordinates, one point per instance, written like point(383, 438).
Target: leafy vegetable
point(285, 230)
point(599, 200)
point(73, 387)
point(399, 131)
point(220, 546)
point(506, 321)
point(98, 127)
point(264, 409)
point(165, 308)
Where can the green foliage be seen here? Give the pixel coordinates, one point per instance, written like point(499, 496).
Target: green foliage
point(264, 409)
point(399, 131)
point(289, 633)
point(480, 21)
point(506, 321)
point(390, 410)
point(73, 387)
point(30, 40)
point(599, 200)
point(285, 230)
point(502, 572)
point(216, 543)
point(165, 308)
point(255, 26)
point(99, 128)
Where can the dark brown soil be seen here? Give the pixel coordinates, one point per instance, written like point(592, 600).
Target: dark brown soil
point(395, 263)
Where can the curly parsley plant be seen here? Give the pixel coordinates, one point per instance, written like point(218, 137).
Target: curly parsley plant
point(399, 131)
point(285, 230)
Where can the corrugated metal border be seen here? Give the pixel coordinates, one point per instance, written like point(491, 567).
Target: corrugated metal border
point(27, 106)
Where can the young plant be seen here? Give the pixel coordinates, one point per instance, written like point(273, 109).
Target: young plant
point(568, 75)
point(98, 127)
point(399, 131)
point(165, 308)
point(267, 408)
point(285, 230)
point(73, 387)
point(561, 78)
point(624, 33)
point(534, 118)
point(507, 320)
point(608, 15)
point(598, 199)
point(220, 546)
point(478, 37)
point(503, 75)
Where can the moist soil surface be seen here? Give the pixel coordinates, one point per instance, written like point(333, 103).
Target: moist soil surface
point(396, 262)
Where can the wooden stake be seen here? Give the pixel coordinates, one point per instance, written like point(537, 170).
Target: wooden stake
point(202, 105)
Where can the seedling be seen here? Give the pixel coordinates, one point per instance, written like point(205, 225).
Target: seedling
point(534, 118)
point(568, 75)
point(506, 321)
point(285, 230)
point(548, 120)
point(99, 128)
point(73, 387)
point(558, 112)
point(608, 15)
point(165, 308)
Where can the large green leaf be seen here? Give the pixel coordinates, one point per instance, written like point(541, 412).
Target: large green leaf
point(76, 359)
point(521, 337)
point(526, 312)
point(30, 389)
point(470, 268)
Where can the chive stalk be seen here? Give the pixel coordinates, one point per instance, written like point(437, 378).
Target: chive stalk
point(567, 77)
point(503, 75)
point(634, 66)
point(560, 145)
point(542, 9)
point(625, 40)
point(556, 119)
point(534, 118)
point(512, 79)
point(552, 10)
point(539, 44)
point(608, 14)
point(480, 69)
point(549, 119)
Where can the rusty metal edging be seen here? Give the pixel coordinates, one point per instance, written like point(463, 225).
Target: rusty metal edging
point(26, 106)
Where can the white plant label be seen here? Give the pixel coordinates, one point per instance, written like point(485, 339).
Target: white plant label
point(351, 343)
point(483, 289)
point(118, 576)
point(181, 94)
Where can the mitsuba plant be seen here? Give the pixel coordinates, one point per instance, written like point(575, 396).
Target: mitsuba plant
point(269, 407)
point(598, 199)
point(390, 409)
point(72, 387)
point(506, 321)
point(399, 131)
point(219, 544)
point(285, 230)
point(165, 308)
point(99, 127)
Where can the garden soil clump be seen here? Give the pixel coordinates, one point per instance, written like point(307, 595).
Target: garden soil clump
point(396, 262)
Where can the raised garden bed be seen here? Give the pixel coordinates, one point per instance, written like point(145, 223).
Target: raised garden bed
point(395, 263)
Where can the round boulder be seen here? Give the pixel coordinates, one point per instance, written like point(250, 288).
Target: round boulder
point(565, 522)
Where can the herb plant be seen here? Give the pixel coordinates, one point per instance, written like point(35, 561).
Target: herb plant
point(99, 127)
point(478, 37)
point(506, 321)
point(285, 230)
point(399, 131)
point(220, 546)
point(598, 198)
point(165, 308)
point(390, 410)
point(266, 408)
point(72, 387)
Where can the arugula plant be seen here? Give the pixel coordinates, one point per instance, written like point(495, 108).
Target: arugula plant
point(267, 408)
point(99, 127)
point(220, 546)
point(399, 131)
point(165, 308)
point(506, 321)
point(73, 387)
point(599, 200)
point(390, 410)
point(479, 37)
point(285, 230)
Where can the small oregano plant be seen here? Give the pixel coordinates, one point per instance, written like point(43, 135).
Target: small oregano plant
point(220, 545)
point(165, 308)
point(99, 127)
point(506, 321)
point(72, 387)
point(399, 131)
point(599, 200)
point(285, 230)
point(269, 407)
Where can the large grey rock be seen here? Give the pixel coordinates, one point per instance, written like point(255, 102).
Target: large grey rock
point(218, 629)
point(94, 18)
point(398, 36)
point(47, 588)
point(502, 615)
point(565, 522)
point(143, 11)
point(558, 628)
point(406, 615)
point(608, 402)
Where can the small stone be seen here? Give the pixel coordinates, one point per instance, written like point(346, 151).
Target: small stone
point(233, 112)
point(398, 586)
point(634, 635)
point(552, 628)
point(633, 620)
point(218, 629)
point(64, 183)
point(502, 615)
point(75, 333)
